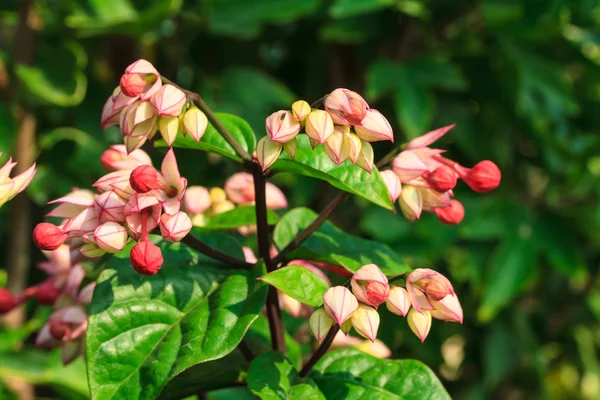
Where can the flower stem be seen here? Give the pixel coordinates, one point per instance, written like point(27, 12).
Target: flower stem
point(214, 121)
point(203, 248)
point(273, 311)
point(320, 352)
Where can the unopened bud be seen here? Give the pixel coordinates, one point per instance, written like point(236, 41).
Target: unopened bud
point(168, 127)
point(447, 309)
point(346, 107)
point(365, 159)
point(354, 146)
point(146, 258)
point(300, 109)
point(268, 152)
point(336, 148)
point(419, 323)
point(452, 215)
point(370, 285)
point(442, 179)
point(144, 179)
point(282, 126)
point(110, 207)
point(339, 303)
point(195, 123)
point(411, 202)
point(483, 177)
point(175, 227)
point(366, 321)
point(46, 294)
point(319, 126)
point(168, 101)
point(111, 237)
point(374, 127)
point(398, 301)
point(132, 85)
point(47, 236)
point(320, 324)
point(392, 182)
point(346, 326)
point(7, 301)
point(291, 147)
point(196, 199)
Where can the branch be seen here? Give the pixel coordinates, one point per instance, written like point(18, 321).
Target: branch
point(203, 248)
point(273, 311)
point(214, 121)
point(320, 351)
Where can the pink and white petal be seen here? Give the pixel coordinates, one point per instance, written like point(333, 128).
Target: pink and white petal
point(428, 138)
point(169, 168)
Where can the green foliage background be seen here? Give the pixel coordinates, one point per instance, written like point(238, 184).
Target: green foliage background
point(520, 79)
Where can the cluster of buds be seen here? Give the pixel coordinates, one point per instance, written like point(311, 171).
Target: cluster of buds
point(345, 128)
point(422, 179)
point(427, 295)
point(130, 201)
point(9, 188)
point(142, 105)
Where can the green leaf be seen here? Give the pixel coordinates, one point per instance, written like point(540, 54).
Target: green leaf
point(299, 283)
point(212, 141)
point(348, 177)
point(348, 8)
point(258, 339)
point(238, 217)
point(332, 245)
point(351, 374)
point(272, 377)
point(145, 330)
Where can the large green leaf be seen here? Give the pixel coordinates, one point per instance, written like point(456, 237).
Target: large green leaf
point(258, 339)
point(299, 283)
point(347, 8)
point(212, 141)
point(351, 374)
point(145, 330)
point(348, 177)
point(238, 217)
point(331, 244)
point(273, 377)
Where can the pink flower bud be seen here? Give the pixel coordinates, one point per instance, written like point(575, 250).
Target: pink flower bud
point(47, 236)
point(116, 158)
point(117, 181)
point(132, 85)
point(291, 148)
point(340, 303)
point(195, 123)
point(267, 152)
point(46, 294)
point(354, 146)
point(133, 143)
point(169, 128)
point(419, 323)
point(393, 184)
point(346, 107)
point(336, 148)
point(483, 177)
point(144, 179)
point(319, 126)
point(442, 179)
point(168, 101)
point(111, 237)
point(138, 120)
point(366, 322)
point(282, 126)
point(320, 324)
point(120, 101)
point(426, 285)
point(110, 207)
point(85, 222)
point(398, 301)
point(408, 166)
point(452, 214)
point(146, 258)
point(411, 202)
point(374, 127)
point(370, 285)
point(196, 200)
point(300, 109)
point(175, 227)
point(7, 301)
point(448, 309)
point(376, 349)
point(149, 76)
point(365, 159)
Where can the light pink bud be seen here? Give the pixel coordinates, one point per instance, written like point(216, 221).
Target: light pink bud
point(86, 221)
point(398, 301)
point(146, 71)
point(300, 109)
point(408, 166)
point(346, 107)
point(340, 303)
point(275, 198)
point(292, 306)
point(336, 148)
point(133, 143)
point(169, 128)
point(196, 200)
point(239, 188)
point(110, 207)
point(354, 146)
point(419, 323)
point(168, 101)
point(374, 127)
point(282, 126)
point(432, 199)
point(117, 181)
point(111, 237)
point(452, 214)
point(393, 184)
point(291, 148)
point(448, 309)
point(175, 227)
point(370, 285)
point(319, 126)
point(320, 324)
point(411, 202)
point(365, 159)
point(442, 179)
point(116, 158)
point(195, 123)
point(434, 284)
point(366, 321)
point(132, 85)
point(267, 152)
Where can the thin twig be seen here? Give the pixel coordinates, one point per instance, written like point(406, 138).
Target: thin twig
point(320, 352)
point(203, 248)
point(246, 351)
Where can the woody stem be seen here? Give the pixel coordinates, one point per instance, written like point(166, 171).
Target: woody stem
point(320, 352)
point(205, 249)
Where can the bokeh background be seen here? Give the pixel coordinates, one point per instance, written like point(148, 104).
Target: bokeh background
point(521, 80)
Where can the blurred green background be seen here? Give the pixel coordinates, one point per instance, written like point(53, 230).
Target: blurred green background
point(521, 80)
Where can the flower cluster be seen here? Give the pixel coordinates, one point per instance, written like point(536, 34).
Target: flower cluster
point(9, 188)
point(142, 105)
point(130, 201)
point(422, 179)
point(345, 128)
point(427, 295)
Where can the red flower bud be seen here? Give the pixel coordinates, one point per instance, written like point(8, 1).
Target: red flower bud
point(46, 294)
point(442, 179)
point(144, 179)
point(132, 85)
point(483, 177)
point(58, 329)
point(47, 236)
point(146, 258)
point(453, 214)
point(7, 301)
